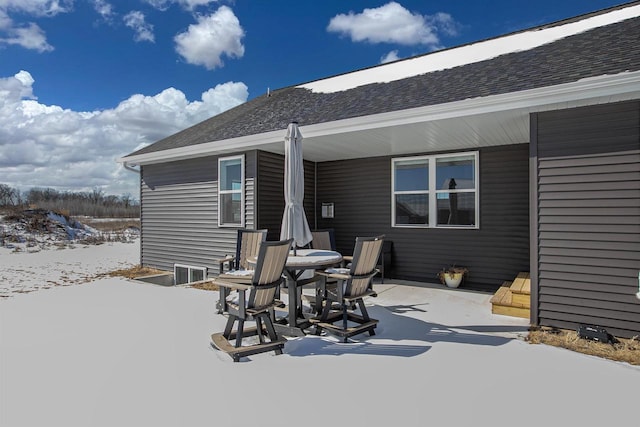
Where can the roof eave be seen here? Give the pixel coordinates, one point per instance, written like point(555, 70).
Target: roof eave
point(532, 100)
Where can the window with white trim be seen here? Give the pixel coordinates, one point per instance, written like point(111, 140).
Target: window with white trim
point(188, 274)
point(435, 191)
point(231, 191)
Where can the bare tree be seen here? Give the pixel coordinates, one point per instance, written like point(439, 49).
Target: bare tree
point(9, 196)
point(97, 195)
point(95, 203)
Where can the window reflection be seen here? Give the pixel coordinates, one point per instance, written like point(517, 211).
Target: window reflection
point(456, 209)
point(412, 175)
point(452, 190)
point(231, 174)
point(231, 208)
point(459, 169)
point(412, 209)
point(230, 191)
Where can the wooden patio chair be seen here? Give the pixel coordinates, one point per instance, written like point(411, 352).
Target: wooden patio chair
point(323, 239)
point(353, 285)
point(236, 268)
point(256, 301)
point(383, 262)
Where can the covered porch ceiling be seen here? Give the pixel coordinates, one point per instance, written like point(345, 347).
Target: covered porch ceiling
point(461, 133)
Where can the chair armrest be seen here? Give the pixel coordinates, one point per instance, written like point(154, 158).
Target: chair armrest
point(365, 294)
point(232, 285)
point(222, 261)
point(227, 258)
point(235, 278)
point(346, 259)
point(333, 275)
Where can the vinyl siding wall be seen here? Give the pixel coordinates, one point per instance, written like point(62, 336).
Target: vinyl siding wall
point(588, 231)
point(361, 192)
point(270, 193)
point(180, 213)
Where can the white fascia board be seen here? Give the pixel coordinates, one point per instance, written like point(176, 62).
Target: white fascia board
point(207, 148)
point(532, 100)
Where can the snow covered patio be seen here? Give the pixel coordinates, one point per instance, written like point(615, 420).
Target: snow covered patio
point(114, 352)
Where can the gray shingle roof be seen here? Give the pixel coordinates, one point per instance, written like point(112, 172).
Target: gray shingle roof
point(611, 49)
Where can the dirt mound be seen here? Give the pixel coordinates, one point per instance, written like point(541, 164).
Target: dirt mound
point(36, 229)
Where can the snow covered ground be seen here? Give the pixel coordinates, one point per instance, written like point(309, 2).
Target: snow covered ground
point(66, 260)
point(101, 351)
point(23, 272)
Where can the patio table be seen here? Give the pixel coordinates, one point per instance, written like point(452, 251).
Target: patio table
point(295, 267)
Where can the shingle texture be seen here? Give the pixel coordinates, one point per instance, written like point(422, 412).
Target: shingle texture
point(605, 50)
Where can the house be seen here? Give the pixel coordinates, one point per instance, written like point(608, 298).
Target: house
point(517, 153)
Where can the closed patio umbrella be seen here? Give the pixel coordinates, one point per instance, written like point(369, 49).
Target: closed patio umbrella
point(294, 221)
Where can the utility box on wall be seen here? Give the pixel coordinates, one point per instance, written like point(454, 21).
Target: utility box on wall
point(327, 210)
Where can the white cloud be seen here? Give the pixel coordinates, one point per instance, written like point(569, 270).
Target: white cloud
point(186, 4)
point(37, 7)
point(28, 34)
point(445, 23)
point(143, 31)
point(390, 57)
point(212, 36)
point(392, 23)
point(48, 146)
point(5, 21)
point(104, 9)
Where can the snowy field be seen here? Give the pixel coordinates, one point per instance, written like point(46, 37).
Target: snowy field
point(80, 349)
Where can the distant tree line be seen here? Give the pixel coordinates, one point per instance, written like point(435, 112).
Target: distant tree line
point(94, 203)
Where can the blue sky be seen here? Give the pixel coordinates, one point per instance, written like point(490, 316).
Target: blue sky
point(84, 82)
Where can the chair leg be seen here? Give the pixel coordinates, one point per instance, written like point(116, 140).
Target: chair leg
point(273, 336)
point(325, 310)
point(222, 302)
point(365, 315)
point(239, 332)
point(363, 310)
point(321, 294)
point(345, 319)
point(229, 327)
point(271, 332)
point(259, 329)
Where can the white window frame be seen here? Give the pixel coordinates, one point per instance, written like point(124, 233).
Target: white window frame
point(190, 269)
point(432, 191)
point(240, 191)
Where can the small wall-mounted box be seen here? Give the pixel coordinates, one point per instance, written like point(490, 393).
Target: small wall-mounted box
point(327, 210)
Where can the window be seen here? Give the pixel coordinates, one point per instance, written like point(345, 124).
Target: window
point(231, 191)
point(187, 274)
point(435, 191)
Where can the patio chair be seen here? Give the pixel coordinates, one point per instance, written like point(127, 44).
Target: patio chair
point(383, 263)
point(257, 304)
point(323, 239)
point(352, 287)
point(236, 268)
